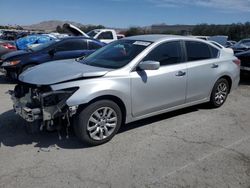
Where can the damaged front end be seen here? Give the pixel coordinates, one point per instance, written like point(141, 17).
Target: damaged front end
point(40, 103)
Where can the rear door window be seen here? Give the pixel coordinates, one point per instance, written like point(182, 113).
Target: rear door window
point(72, 45)
point(198, 51)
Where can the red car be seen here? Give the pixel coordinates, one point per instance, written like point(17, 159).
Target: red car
point(6, 47)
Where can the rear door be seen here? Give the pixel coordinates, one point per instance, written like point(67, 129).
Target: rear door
point(202, 65)
point(155, 90)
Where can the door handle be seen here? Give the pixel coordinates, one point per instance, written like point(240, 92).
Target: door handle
point(214, 66)
point(180, 73)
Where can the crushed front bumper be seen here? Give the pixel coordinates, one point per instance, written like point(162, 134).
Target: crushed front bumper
point(28, 114)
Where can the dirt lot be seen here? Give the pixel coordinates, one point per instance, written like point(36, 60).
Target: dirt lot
point(194, 147)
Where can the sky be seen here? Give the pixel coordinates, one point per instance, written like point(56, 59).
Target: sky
point(125, 13)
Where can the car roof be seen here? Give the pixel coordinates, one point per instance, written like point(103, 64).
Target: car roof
point(156, 37)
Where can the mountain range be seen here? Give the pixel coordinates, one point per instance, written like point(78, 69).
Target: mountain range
point(49, 25)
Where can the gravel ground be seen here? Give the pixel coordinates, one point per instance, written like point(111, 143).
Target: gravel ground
point(193, 147)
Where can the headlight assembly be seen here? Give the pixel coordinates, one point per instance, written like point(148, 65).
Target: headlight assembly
point(56, 97)
point(10, 63)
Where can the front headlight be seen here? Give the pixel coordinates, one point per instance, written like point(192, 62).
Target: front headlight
point(10, 63)
point(55, 97)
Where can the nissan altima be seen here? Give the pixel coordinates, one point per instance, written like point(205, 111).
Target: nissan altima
point(127, 80)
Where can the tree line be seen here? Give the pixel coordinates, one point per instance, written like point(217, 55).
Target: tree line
point(236, 31)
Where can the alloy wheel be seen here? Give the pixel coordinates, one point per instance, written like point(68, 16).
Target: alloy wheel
point(102, 123)
point(221, 93)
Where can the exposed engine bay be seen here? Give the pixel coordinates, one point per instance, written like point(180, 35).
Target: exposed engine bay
point(40, 103)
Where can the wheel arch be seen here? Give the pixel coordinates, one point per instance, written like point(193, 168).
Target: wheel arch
point(112, 98)
point(229, 79)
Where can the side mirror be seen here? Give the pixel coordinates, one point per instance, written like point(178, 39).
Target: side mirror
point(52, 52)
point(80, 58)
point(149, 65)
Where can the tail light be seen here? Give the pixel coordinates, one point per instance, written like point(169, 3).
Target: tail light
point(237, 62)
point(8, 46)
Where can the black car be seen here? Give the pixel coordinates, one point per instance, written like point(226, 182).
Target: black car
point(14, 63)
point(245, 60)
point(241, 46)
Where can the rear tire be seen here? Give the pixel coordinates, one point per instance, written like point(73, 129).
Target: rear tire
point(98, 122)
point(219, 93)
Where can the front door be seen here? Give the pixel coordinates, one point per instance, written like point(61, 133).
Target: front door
point(156, 90)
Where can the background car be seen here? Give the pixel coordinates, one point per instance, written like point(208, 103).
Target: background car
point(230, 43)
point(14, 63)
point(25, 42)
point(241, 46)
point(9, 35)
point(245, 60)
point(6, 47)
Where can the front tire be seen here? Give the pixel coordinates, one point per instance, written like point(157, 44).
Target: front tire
point(219, 93)
point(98, 122)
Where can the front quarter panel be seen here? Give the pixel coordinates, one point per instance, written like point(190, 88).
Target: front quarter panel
point(92, 88)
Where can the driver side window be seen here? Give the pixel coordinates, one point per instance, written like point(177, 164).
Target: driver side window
point(167, 53)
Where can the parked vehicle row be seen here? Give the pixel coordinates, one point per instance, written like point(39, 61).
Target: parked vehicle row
point(124, 81)
point(242, 51)
point(242, 46)
point(14, 63)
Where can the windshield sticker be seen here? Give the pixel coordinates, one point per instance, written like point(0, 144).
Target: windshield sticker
point(141, 43)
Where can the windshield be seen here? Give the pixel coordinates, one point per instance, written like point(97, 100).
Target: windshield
point(116, 54)
point(42, 46)
point(92, 33)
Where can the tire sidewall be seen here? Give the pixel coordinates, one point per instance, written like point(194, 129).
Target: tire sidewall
point(80, 125)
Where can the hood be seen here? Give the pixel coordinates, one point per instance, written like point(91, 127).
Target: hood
point(60, 71)
point(73, 30)
point(14, 54)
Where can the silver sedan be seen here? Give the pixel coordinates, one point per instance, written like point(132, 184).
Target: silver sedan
point(127, 80)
